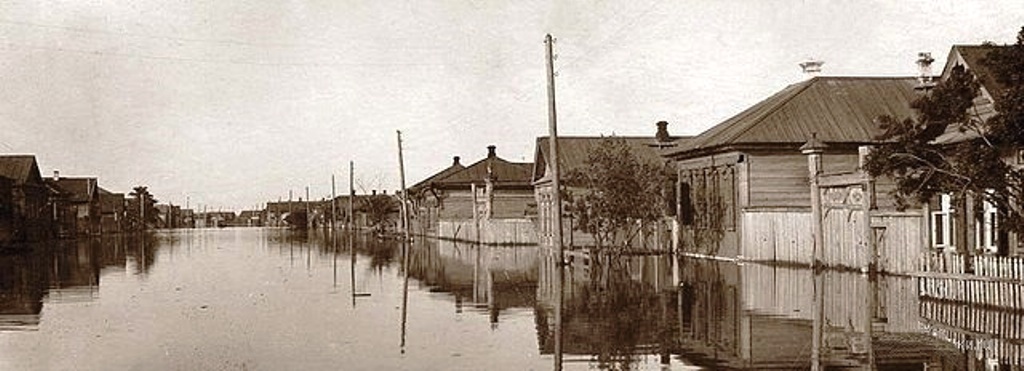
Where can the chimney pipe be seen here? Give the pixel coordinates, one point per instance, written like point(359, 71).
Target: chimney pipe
point(662, 134)
point(811, 66)
point(455, 161)
point(924, 65)
point(56, 175)
point(490, 151)
point(373, 192)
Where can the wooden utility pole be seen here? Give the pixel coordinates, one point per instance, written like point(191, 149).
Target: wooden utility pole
point(309, 219)
point(401, 177)
point(556, 197)
point(334, 203)
point(351, 196)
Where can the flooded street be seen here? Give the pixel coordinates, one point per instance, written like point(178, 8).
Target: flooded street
point(273, 299)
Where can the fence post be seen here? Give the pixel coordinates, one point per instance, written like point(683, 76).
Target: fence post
point(813, 150)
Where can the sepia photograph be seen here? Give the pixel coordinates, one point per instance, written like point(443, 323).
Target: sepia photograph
point(512, 185)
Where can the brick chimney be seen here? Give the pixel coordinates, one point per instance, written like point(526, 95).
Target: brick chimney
point(812, 67)
point(56, 175)
point(491, 151)
point(925, 79)
point(662, 134)
point(455, 161)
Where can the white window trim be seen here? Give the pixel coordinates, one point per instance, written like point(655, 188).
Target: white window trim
point(948, 224)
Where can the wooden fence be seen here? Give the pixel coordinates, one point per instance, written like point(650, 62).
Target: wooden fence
point(492, 231)
point(777, 236)
point(988, 333)
point(995, 282)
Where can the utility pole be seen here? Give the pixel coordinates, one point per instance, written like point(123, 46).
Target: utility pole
point(334, 206)
point(351, 197)
point(309, 219)
point(401, 176)
point(556, 197)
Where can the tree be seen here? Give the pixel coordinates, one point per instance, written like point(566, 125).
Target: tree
point(615, 193)
point(142, 210)
point(378, 208)
point(967, 169)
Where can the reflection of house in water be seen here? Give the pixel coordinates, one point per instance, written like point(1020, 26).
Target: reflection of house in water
point(486, 277)
point(612, 313)
point(59, 272)
point(755, 317)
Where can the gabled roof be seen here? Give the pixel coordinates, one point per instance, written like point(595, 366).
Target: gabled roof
point(110, 202)
point(76, 189)
point(20, 168)
point(836, 109)
point(503, 173)
point(973, 56)
point(574, 151)
point(454, 168)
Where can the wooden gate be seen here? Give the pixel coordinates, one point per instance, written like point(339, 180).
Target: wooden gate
point(845, 206)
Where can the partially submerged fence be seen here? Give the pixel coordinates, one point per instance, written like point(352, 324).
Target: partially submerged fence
point(489, 232)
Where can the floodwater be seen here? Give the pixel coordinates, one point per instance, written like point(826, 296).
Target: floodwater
point(273, 299)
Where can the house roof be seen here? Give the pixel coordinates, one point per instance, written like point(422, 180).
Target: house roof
point(836, 109)
point(20, 168)
point(574, 151)
point(76, 189)
point(109, 201)
point(973, 56)
point(454, 168)
point(503, 173)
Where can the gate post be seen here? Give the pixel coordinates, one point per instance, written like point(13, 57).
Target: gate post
point(813, 150)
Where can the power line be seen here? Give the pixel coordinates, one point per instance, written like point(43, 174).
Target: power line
point(96, 31)
point(16, 46)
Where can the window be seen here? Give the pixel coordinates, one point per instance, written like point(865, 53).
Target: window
point(986, 229)
point(943, 223)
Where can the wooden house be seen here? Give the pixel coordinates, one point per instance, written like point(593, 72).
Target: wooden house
point(24, 200)
point(744, 185)
point(80, 200)
point(953, 225)
point(112, 211)
point(492, 189)
point(426, 198)
point(573, 152)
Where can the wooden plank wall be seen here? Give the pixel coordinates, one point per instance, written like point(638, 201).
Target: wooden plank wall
point(777, 235)
point(898, 239)
point(492, 231)
point(782, 180)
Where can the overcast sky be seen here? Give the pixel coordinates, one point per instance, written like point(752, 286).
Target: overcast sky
point(233, 103)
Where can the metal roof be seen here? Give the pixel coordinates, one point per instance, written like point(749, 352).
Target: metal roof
point(835, 109)
point(574, 151)
point(504, 173)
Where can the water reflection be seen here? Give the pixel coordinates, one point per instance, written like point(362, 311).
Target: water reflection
point(617, 312)
point(755, 317)
point(279, 299)
point(64, 272)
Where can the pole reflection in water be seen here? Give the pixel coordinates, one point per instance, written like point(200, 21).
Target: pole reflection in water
point(405, 289)
point(559, 302)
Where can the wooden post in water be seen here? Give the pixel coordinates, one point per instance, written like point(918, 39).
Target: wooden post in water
point(401, 176)
point(556, 196)
point(334, 203)
point(351, 196)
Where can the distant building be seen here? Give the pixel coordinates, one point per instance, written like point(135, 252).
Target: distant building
point(80, 199)
point(112, 211)
point(24, 200)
